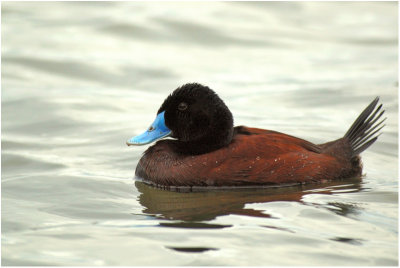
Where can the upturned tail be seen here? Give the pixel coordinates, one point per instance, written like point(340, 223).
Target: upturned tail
point(365, 130)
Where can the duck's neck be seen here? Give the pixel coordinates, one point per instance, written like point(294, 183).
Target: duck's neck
point(208, 143)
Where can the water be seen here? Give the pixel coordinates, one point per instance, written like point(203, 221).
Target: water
point(80, 78)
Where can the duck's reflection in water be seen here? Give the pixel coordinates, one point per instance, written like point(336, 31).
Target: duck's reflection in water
point(192, 209)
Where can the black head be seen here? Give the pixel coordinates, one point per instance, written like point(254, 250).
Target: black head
point(198, 119)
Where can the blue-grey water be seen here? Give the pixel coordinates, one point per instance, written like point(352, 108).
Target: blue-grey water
point(80, 78)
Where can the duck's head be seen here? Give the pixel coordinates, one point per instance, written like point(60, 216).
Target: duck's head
point(195, 116)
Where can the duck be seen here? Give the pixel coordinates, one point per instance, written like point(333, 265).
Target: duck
point(198, 146)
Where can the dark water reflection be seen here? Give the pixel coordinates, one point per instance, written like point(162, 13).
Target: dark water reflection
point(194, 207)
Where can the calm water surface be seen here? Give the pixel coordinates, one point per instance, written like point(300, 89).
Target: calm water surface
point(78, 79)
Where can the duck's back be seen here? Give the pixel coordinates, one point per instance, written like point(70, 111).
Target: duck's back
point(254, 157)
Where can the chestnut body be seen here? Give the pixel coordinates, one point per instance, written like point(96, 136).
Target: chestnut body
point(254, 157)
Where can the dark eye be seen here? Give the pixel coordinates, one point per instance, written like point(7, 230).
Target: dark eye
point(182, 106)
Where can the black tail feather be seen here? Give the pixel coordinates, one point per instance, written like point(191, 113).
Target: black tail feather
point(362, 133)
